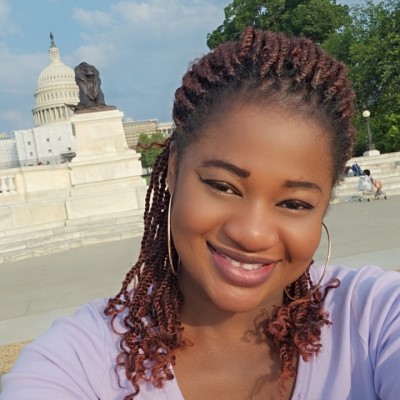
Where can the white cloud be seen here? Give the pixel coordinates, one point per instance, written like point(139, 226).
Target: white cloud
point(168, 15)
point(100, 54)
point(142, 12)
point(4, 11)
point(92, 18)
point(147, 37)
point(18, 69)
point(7, 26)
point(143, 55)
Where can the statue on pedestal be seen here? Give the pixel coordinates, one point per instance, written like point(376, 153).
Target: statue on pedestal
point(91, 97)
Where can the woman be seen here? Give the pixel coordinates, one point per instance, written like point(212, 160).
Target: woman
point(224, 301)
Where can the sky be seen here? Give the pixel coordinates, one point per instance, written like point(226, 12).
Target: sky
point(142, 48)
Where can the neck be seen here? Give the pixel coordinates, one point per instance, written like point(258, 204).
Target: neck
point(203, 318)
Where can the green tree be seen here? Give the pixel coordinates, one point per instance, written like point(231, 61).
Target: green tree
point(370, 46)
point(149, 147)
point(366, 37)
point(315, 19)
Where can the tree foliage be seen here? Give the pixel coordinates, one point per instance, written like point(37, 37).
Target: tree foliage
point(370, 46)
point(315, 19)
point(149, 147)
point(366, 37)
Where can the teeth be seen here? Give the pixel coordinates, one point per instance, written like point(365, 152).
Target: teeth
point(238, 264)
point(250, 267)
point(234, 262)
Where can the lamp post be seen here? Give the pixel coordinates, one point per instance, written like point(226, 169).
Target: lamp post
point(366, 114)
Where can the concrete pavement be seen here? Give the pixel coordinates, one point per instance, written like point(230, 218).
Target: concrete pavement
point(35, 291)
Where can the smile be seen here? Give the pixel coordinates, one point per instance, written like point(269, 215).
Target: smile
point(242, 271)
point(239, 264)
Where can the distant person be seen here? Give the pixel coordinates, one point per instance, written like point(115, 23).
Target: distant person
point(225, 301)
point(365, 183)
point(357, 170)
point(376, 183)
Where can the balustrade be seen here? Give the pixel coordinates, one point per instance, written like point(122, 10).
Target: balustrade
point(7, 185)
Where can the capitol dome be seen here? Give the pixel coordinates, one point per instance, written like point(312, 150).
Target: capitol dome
point(56, 87)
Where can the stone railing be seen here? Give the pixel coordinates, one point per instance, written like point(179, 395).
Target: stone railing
point(7, 185)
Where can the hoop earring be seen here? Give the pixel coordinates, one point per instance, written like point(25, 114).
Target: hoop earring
point(171, 265)
point(328, 257)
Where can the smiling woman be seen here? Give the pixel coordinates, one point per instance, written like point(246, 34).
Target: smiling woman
point(225, 301)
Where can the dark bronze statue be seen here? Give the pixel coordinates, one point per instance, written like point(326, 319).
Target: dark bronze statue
point(91, 97)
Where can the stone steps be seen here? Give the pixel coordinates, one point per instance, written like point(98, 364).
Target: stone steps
point(384, 167)
point(83, 232)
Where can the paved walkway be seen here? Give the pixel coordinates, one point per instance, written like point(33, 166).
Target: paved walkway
point(33, 292)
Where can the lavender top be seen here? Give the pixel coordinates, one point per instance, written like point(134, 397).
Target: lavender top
point(360, 358)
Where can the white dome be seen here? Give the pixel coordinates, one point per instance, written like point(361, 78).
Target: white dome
point(55, 73)
point(56, 87)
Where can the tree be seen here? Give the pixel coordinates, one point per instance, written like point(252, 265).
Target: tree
point(366, 37)
point(150, 146)
point(315, 19)
point(370, 46)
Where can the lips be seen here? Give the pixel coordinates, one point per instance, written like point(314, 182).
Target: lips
point(239, 270)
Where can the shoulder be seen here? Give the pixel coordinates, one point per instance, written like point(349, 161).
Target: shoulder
point(362, 347)
point(353, 276)
point(361, 285)
point(71, 360)
point(87, 329)
point(365, 308)
point(368, 297)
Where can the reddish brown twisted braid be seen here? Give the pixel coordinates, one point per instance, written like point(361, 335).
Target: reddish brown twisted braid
point(151, 316)
point(264, 69)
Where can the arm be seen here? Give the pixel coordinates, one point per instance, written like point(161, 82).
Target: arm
point(376, 183)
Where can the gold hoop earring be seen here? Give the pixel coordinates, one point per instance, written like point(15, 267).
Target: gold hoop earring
point(173, 270)
point(328, 257)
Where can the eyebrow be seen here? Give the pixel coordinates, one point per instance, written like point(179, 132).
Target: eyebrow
point(242, 173)
point(302, 185)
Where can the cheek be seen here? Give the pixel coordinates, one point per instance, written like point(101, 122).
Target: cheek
point(192, 212)
point(302, 240)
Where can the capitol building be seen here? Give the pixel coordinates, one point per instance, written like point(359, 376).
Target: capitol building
point(51, 140)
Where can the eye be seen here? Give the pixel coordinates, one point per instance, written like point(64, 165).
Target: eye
point(221, 186)
point(295, 205)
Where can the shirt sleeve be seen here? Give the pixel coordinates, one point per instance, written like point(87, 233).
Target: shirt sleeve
point(65, 363)
point(384, 339)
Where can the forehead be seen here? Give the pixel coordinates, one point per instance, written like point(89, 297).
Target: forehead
point(263, 139)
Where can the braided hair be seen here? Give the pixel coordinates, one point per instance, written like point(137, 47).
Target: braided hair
point(264, 68)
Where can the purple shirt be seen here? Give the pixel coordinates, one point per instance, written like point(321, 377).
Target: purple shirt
point(360, 358)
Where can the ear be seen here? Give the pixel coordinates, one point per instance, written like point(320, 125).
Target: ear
point(172, 169)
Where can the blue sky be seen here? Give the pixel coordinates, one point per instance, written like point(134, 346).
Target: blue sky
point(141, 48)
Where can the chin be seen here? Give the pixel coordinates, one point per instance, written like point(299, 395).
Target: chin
point(245, 304)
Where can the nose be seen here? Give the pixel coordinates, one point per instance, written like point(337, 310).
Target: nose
point(252, 228)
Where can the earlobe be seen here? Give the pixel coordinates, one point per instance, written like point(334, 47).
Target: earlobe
point(172, 169)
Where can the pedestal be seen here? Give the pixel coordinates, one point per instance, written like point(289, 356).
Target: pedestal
point(105, 175)
point(99, 135)
point(371, 153)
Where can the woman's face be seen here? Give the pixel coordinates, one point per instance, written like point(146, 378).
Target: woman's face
point(248, 202)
